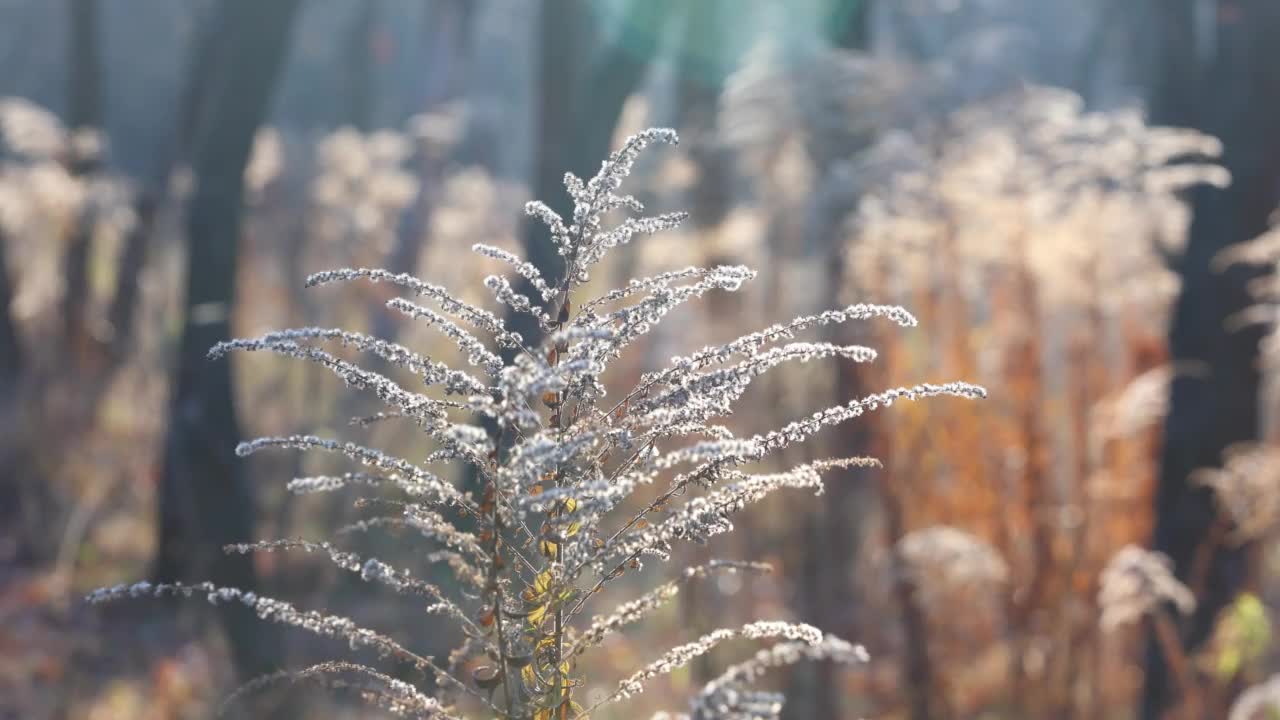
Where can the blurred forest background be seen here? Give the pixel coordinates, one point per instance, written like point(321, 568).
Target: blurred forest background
point(1073, 197)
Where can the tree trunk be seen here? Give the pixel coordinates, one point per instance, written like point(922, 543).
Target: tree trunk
point(120, 315)
point(577, 113)
point(1236, 98)
point(559, 59)
point(446, 33)
point(576, 117)
point(205, 501)
point(11, 445)
point(448, 25)
point(193, 103)
point(84, 100)
point(702, 69)
point(154, 187)
point(10, 349)
point(84, 113)
point(361, 67)
point(832, 538)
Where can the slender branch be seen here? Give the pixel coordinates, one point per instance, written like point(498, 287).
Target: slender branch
point(1171, 645)
point(498, 610)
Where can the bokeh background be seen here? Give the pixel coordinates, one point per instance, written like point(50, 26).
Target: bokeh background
point(1073, 197)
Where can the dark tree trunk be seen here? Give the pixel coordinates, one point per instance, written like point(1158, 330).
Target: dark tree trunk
point(120, 315)
point(614, 72)
point(701, 69)
point(84, 101)
point(850, 27)
point(84, 113)
point(832, 538)
point(361, 67)
point(702, 72)
point(578, 112)
point(562, 37)
point(448, 25)
point(10, 349)
point(560, 57)
point(193, 104)
point(447, 35)
point(11, 366)
point(154, 188)
point(205, 501)
point(1214, 404)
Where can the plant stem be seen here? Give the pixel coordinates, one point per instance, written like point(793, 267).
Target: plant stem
point(494, 566)
point(1198, 575)
point(497, 616)
point(559, 674)
point(1171, 645)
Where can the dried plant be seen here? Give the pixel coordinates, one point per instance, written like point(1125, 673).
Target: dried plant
point(44, 197)
point(1261, 254)
point(1260, 702)
point(1138, 582)
point(576, 490)
point(1033, 179)
point(361, 187)
point(1247, 490)
point(944, 559)
point(1133, 408)
point(1027, 228)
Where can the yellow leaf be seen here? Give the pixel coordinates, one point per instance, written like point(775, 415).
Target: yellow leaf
point(542, 583)
point(573, 529)
point(569, 709)
point(538, 613)
point(538, 588)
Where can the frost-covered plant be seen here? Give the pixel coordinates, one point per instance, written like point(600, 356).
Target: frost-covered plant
point(1246, 490)
point(1258, 702)
point(361, 187)
point(576, 489)
point(45, 196)
point(1138, 582)
point(942, 559)
point(1261, 258)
